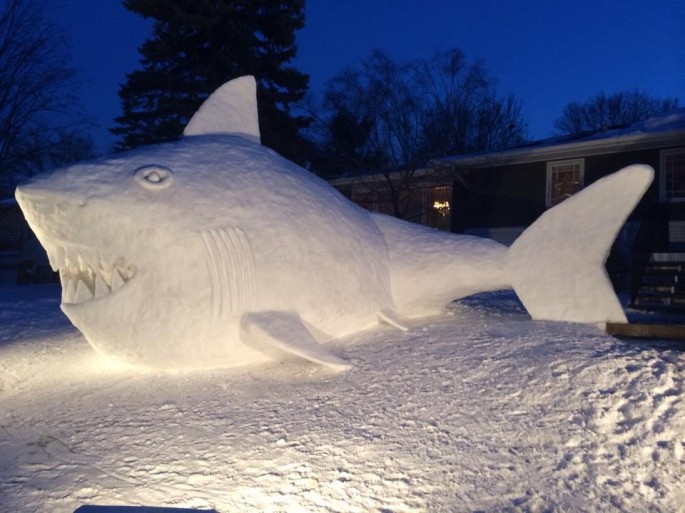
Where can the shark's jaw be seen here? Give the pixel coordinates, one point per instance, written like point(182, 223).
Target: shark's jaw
point(87, 274)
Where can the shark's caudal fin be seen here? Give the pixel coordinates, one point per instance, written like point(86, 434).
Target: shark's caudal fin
point(231, 109)
point(557, 267)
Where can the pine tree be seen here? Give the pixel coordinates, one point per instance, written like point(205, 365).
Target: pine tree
point(196, 46)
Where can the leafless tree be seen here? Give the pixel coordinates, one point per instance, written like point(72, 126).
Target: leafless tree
point(393, 117)
point(398, 191)
point(402, 114)
point(36, 91)
point(602, 112)
point(377, 110)
point(463, 112)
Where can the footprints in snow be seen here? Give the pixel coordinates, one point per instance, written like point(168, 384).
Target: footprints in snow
point(630, 430)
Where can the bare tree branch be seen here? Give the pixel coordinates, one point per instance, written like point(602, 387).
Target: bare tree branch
point(390, 114)
point(603, 112)
point(36, 90)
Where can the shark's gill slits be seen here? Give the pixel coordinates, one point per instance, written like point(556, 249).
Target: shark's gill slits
point(86, 275)
point(230, 264)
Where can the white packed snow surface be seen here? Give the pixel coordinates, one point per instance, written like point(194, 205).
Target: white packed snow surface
point(476, 410)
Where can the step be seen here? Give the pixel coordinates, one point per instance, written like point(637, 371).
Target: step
point(663, 305)
point(652, 301)
point(662, 268)
point(657, 290)
point(668, 257)
point(670, 292)
point(660, 280)
point(665, 299)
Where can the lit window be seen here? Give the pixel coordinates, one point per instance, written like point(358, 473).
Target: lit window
point(564, 179)
point(438, 207)
point(673, 175)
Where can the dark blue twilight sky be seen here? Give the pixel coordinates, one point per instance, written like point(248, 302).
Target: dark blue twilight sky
point(546, 52)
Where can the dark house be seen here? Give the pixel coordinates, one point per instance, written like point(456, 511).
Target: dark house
point(22, 259)
point(498, 194)
point(420, 195)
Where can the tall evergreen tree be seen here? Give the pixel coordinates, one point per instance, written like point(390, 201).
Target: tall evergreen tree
point(196, 46)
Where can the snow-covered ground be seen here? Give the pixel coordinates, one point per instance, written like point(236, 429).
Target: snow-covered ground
point(477, 410)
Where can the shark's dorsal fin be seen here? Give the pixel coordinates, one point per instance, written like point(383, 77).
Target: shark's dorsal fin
point(231, 109)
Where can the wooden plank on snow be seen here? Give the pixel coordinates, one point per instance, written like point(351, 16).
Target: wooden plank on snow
point(659, 331)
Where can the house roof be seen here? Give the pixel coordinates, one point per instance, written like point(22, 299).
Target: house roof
point(663, 131)
point(410, 173)
point(658, 131)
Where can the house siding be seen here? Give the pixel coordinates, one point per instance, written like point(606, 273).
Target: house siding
point(599, 166)
point(499, 202)
point(22, 258)
point(498, 197)
point(514, 195)
point(498, 194)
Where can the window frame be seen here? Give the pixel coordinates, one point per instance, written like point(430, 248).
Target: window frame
point(429, 210)
point(374, 200)
point(550, 171)
point(663, 155)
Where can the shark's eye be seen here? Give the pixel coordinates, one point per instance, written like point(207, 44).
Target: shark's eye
point(153, 177)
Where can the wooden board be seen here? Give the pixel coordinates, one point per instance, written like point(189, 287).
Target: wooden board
point(138, 509)
point(660, 331)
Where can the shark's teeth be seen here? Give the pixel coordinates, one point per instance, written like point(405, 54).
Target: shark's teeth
point(63, 281)
point(117, 281)
point(90, 258)
point(53, 258)
point(68, 289)
point(104, 270)
point(101, 288)
point(83, 293)
point(85, 275)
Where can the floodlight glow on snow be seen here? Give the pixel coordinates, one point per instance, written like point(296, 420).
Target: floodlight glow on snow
point(169, 258)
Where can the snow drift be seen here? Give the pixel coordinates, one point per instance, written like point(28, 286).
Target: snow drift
point(477, 409)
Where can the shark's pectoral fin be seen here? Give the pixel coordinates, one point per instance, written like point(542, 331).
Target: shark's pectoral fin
point(390, 318)
point(276, 333)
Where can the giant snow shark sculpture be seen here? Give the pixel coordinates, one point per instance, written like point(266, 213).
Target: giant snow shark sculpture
point(215, 251)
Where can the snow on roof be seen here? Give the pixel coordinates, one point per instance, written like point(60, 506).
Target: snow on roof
point(666, 129)
point(673, 120)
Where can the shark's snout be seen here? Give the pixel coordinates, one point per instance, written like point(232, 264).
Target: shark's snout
point(37, 194)
point(45, 208)
point(86, 272)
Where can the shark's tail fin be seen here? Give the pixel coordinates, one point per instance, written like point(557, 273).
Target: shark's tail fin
point(557, 265)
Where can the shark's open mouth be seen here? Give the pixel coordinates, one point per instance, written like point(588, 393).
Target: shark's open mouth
point(87, 275)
